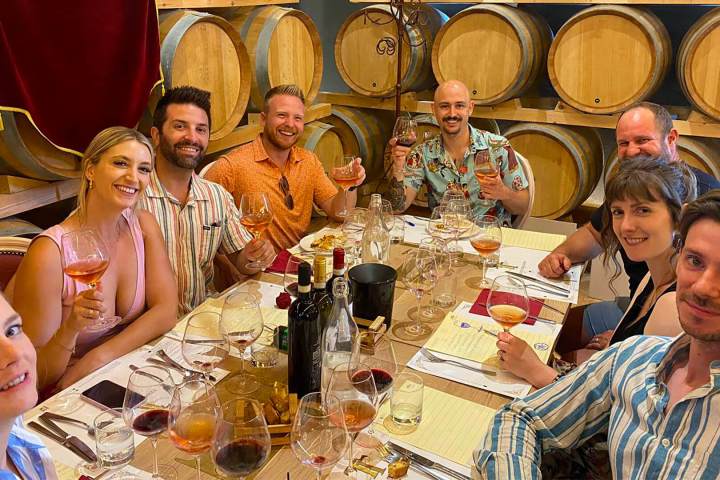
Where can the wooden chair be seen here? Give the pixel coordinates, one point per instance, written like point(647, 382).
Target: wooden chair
point(519, 220)
point(12, 251)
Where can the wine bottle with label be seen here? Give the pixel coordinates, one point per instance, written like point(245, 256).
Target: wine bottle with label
point(338, 272)
point(304, 356)
point(320, 294)
point(341, 338)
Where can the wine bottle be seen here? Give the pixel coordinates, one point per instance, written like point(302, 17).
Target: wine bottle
point(304, 361)
point(338, 272)
point(320, 296)
point(376, 237)
point(341, 338)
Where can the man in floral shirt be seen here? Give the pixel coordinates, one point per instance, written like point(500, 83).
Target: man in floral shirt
point(447, 162)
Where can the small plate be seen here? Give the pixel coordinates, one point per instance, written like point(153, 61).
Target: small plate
point(307, 241)
point(436, 227)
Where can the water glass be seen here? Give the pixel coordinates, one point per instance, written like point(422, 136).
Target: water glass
point(406, 402)
point(114, 439)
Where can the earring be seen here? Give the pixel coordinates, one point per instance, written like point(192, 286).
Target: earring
point(90, 185)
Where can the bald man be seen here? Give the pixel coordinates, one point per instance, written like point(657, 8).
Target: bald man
point(447, 162)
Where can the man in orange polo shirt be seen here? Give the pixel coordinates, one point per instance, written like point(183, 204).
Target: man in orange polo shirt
point(291, 176)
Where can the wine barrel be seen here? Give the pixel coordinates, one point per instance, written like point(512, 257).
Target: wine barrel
point(566, 163)
point(363, 133)
point(321, 139)
point(204, 51)
point(366, 46)
point(284, 47)
point(508, 48)
point(701, 153)
point(17, 227)
point(698, 64)
point(24, 151)
point(607, 57)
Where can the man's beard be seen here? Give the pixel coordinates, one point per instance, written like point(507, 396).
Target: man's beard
point(276, 140)
point(690, 328)
point(169, 152)
point(664, 149)
point(448, 118)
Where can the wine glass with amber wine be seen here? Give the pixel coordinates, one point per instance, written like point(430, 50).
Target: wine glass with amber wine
point(508, 302)
point(255, 216)
point(485, 169)
point(345, 174)
point(194, 411)
point(486, 239)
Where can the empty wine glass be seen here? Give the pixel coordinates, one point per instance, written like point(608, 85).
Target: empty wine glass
point(345, 175)
point(205, 343)
point(355, 387)
point(452, 194)
point(256, 216)
point(145, 408)
point(85, 258)
point(486, 240)
point(241, 443)
point(353, 228)
point(486, 168)
point(243, 322)
point(319, 437)
point(443, 263)
point(418, 273)
point(194, 411)
point(405, 130)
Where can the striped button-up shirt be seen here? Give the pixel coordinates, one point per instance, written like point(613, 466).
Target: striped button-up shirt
point(623, 391)
point(208, 223)
point(29, 455)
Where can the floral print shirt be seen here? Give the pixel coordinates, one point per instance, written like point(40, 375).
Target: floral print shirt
point(429, 163)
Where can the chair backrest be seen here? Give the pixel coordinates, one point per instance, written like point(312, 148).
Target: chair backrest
point(206, 168)
point(519, 220)
point(12, 251)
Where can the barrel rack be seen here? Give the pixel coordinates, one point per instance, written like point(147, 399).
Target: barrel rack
point(577, 2)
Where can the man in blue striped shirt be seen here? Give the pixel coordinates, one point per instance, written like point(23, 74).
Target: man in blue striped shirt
point(657, 398)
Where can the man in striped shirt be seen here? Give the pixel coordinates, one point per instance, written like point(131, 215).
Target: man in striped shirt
point(657, 398)
point(198, 218)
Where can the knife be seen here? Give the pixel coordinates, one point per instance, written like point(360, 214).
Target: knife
point(426, 462)
point(539, 282)
point(73, 444)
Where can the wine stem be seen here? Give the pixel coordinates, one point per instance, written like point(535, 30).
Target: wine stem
point(418, 327)
point(156, 472)
point(484, 267)
point(197, 464)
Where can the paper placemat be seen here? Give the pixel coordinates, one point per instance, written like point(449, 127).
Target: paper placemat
point(529, 239)
point(451, 427)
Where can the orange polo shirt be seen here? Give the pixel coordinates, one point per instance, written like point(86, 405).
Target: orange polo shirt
point(249, 169)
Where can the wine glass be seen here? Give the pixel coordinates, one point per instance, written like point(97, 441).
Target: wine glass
point(452, 194)
point(85, 258)
point(508, 302)
point(457, 220)
point(255, 216)
point(486, 240)
point(485, 169)
point(243, 322)
point(319, 437)
point(405, 130)
point(194, 410)
point(145, 408)
point(345, 175)
point(355, 387)
point(418, 273)
point(241, 443)
point(381, 359)
point(353, 228)
point(439, 250)
point(205, 342)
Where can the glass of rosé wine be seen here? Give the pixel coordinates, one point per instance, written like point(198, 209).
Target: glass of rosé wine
point(345, 175)
point(486, 240)
point(256, 216)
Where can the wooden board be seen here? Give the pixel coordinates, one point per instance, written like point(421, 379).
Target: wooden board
point(12, 203)
point(162, 4)
point(579, 2)
point(10, 184)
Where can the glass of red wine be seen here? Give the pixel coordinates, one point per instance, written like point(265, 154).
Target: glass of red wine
point(319, 437)
point(194, 411)
point(145, 408)
point(345, 175)
point(242, 321)
point(241, 444)
point(405, 130)
point(84, 259)
point(255, 216)
point(205, 342)
point(486, 239)
point(354, 386)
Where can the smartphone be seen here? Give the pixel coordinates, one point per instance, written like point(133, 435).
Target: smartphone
point(109, 394)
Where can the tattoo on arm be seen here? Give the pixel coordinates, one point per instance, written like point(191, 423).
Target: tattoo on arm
point(396, 194)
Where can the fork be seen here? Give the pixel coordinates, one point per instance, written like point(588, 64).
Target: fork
point(61, 418)
point(391, 457)
point(432, 358)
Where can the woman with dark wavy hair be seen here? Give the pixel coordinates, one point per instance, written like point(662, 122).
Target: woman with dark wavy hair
point(644, 199)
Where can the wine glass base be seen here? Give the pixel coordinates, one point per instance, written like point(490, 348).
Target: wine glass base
point(478, 283)
point(411, 331)
point(366, 440)
point(254, 265)
point(431, 313)
point(241, 384)
point(166, 472)
point(65, 403)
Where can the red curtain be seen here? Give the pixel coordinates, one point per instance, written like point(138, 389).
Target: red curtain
point(78, 66)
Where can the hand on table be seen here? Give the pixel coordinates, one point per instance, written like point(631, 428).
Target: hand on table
point(554, 265)
point(517, 357)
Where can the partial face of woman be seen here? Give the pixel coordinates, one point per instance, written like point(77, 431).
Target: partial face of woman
point(18, 393)
point(122, 174)
point(643, 227)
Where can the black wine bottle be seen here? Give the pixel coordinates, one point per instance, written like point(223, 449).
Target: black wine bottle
point(304, 356)
point(320, 295)
point(338, 272)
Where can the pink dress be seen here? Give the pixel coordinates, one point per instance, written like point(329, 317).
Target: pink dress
point(88, 340)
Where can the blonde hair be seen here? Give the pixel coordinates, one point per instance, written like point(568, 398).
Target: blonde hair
point(286, 89)
point(103, 142)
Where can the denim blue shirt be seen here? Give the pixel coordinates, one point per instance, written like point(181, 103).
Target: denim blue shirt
point(429, 163)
